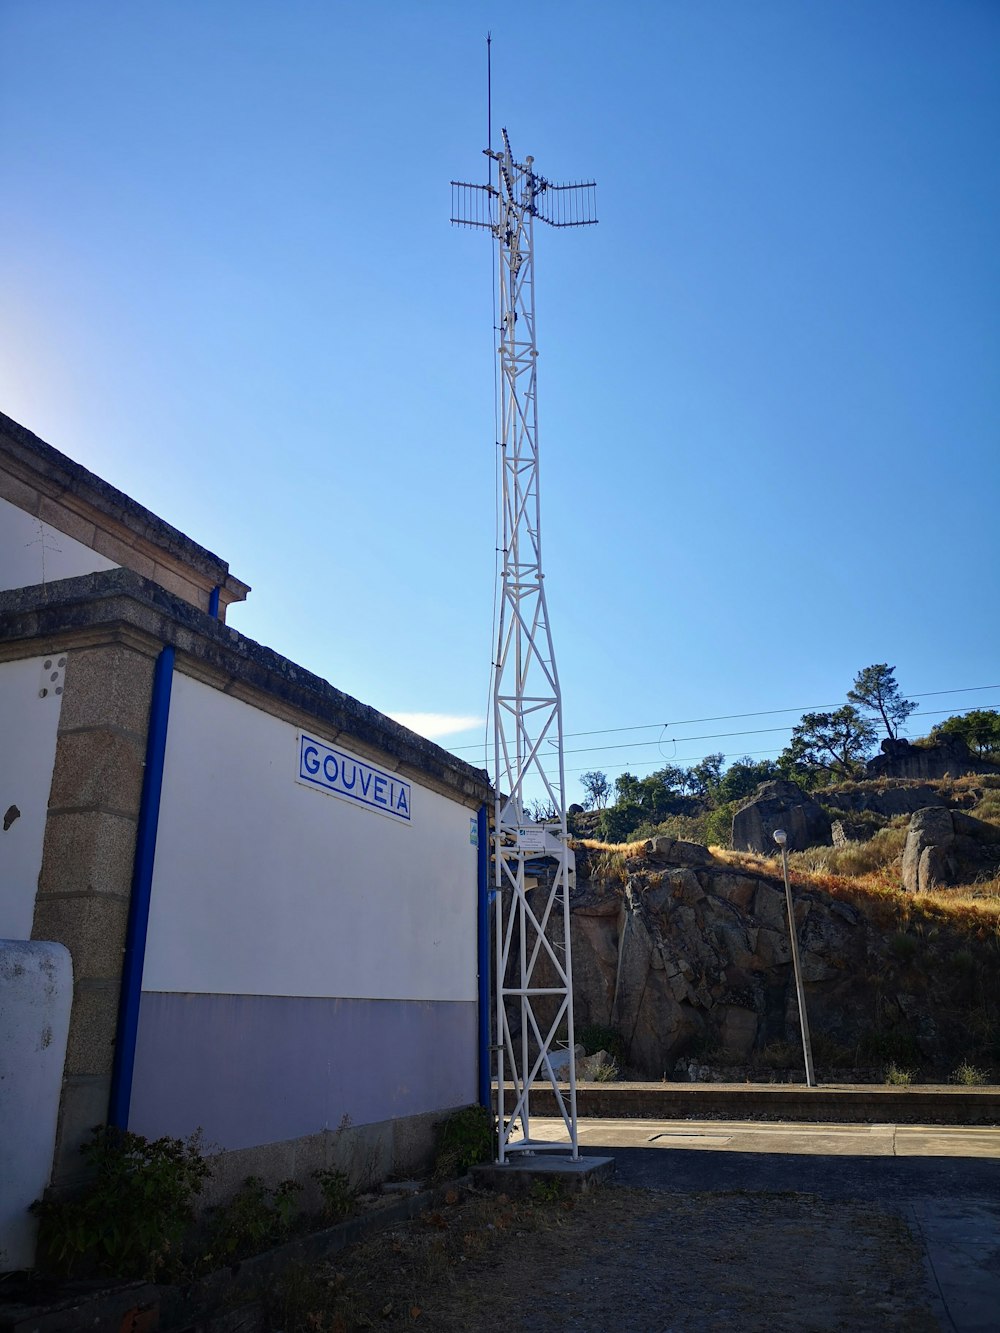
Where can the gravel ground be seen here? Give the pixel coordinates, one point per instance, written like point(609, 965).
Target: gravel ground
point(626, 1259)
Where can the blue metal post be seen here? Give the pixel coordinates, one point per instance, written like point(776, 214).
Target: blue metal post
point(142, 885)
point(485, 1063)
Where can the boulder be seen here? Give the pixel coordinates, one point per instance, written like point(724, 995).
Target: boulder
point(948, 847)
point(591, 1066)
point(844, 831)
point(559, 1060)
point(780, 804)
point(678, 852)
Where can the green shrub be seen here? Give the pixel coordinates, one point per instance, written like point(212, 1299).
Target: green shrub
point(829, 1052)
point(254, 1219)
point(338, 1196)
point(684, 828)
point(779, 1055)
point(593, 1038)
point(867, 821)
point(547, 1191)
point(888, 1046)
point(961, 961)
point(903, 946)
point(719, 825)
point(619, 822)
point(131, 1219)
point(467, 1138)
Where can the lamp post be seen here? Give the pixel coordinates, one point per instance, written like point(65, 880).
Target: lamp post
point(781, 838)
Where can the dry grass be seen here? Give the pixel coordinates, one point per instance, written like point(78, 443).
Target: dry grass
point(624, 849)
point(610, 862)
point(973, 907)
point(883, 850)
point(975, 781)
point(441, 1269)
point(583, 1262)
point(866, 874)
point(988, 808)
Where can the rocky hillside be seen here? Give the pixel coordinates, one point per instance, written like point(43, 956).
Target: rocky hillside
point(683, 955)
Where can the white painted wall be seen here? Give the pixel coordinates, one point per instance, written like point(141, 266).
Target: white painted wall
point(36, 993)
point(34, 552)
point(28, 725)
point(263, 886)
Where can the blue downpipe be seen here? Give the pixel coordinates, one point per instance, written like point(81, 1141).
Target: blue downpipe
point(142, 886)
point(213, 602)
point(485, 1063)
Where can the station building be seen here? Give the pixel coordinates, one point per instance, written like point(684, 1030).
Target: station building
point(232, 898)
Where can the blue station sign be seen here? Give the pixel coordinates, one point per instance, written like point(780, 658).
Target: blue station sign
point(340, 774)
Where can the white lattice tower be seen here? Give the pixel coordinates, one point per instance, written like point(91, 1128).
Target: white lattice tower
point(533, 863)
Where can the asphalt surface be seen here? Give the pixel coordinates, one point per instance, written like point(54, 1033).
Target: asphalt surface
point(944, 1181)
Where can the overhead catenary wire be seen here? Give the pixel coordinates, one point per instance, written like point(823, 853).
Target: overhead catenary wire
point(732, 717)
point(725, 735)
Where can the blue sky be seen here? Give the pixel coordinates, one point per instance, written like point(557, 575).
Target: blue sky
point(768, 385)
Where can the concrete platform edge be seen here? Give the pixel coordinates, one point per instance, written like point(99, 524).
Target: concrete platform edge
point(860, 1104)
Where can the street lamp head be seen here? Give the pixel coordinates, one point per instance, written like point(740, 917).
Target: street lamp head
point(780, 837)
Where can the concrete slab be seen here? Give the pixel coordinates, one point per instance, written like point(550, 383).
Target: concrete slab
point(962, 1245)
point(520, 1172)
point(800, 1138)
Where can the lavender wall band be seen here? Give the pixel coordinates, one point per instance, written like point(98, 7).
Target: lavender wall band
point(251, 1069)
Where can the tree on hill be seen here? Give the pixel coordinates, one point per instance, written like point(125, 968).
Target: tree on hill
point(702, 779)
point(980, 729)
point(835, 744)
point(597, 787)
point(743, 777)
point(876, 694)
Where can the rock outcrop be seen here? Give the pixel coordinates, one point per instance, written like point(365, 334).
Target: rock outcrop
point(780, 804)
point(948, 847)
point(898, 798)
point(684, 957)
point(951, 758)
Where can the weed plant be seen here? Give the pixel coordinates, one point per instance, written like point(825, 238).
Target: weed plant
point(336, 1192)
point(467, 1138)
point(895, 1077)
point(255, 1218)
point(968, 1075)
point(131, 1219)
point(607, 1073)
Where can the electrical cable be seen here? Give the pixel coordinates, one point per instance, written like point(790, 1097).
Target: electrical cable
point(723, 735)
point(732, 717)
point(756, 731)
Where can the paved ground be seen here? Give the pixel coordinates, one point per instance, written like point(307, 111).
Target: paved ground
point(944, 1182)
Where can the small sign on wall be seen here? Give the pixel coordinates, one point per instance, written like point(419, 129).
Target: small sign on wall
point(340, 774)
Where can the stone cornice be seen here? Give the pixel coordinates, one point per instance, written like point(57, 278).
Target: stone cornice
point(61, 492)
point(119, 606)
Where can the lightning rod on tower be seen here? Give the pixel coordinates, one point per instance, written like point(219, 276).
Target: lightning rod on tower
point(533, 864)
